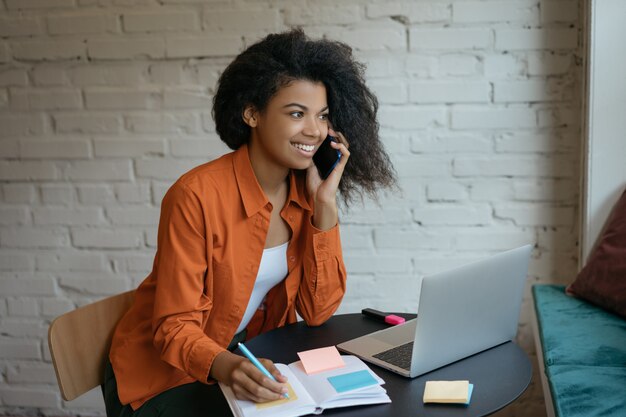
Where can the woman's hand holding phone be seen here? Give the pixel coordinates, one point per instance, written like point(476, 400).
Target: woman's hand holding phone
point(325, 191)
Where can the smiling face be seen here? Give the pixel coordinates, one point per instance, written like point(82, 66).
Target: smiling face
point(286, 134)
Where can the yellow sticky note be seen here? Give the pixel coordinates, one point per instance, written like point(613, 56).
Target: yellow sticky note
point(292, 397)
point(446, 392)
point(320, 360)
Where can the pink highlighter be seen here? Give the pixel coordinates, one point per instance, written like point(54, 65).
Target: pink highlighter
point(384, 317)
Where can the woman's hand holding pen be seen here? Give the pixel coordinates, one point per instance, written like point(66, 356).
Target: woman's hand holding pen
point(325, 191)
point(246, 380)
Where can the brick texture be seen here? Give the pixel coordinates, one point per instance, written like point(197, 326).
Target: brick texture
point(103, 104)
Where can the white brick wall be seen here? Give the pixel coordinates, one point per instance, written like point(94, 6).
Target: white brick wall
point(104, 104)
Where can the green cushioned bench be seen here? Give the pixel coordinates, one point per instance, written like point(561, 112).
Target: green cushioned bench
point(582, 355)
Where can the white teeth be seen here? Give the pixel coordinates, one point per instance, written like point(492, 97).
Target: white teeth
point(307, 148)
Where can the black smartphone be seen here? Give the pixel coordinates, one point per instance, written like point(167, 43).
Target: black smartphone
point(326, 157)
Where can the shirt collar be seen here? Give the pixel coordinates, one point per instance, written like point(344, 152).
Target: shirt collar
point(252, 194)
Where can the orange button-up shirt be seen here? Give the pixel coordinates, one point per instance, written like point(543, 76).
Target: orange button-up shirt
point(212, 232)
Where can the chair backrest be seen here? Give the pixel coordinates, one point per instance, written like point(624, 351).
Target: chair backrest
point(80, 340)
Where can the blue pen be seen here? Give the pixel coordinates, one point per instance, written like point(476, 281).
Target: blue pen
point(258, 364)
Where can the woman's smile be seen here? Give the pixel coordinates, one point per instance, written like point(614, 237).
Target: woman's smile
point(306, 150)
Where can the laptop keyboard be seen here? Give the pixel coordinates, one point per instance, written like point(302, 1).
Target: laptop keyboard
point(399, 356)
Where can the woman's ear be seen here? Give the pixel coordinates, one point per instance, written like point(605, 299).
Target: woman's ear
point(250, 116)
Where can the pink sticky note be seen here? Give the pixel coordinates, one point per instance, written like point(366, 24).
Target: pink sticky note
point(320, 360)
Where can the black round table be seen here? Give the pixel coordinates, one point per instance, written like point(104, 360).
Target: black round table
point(500, 374)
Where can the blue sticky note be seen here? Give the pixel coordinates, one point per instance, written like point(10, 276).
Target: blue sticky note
point(353, 380)
point(469, 393)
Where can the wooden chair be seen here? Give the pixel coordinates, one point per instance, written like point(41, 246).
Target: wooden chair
point(80, 340)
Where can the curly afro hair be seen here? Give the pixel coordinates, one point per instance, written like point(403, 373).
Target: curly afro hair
point(256, 74)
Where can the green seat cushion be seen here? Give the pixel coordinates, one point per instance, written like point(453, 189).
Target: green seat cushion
point(588, 391)
point(576, 332)
point(584, 350)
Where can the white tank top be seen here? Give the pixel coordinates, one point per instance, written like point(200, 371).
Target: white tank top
point(272, 270)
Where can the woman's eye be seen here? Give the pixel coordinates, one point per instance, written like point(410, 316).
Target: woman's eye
point(297, 114)
point(324, 116)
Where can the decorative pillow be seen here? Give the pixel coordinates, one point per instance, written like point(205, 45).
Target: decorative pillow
point(603, 279)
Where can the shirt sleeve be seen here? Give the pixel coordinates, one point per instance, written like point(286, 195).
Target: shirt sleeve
point(183, 301)
point(324, 275)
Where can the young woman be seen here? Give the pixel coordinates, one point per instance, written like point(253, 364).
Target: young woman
point(249, 239)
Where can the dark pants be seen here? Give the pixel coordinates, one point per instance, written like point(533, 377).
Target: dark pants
point(189, 400)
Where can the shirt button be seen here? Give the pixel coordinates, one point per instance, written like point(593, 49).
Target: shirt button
point(292, 258)
point(291, 218)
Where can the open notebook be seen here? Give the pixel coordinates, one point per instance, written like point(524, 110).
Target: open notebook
point(353, 384)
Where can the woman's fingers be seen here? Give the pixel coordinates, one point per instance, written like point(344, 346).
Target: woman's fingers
point(345, 154)
point(269, 365)
point(342, 139)
point(250, 383)
point(246, 380)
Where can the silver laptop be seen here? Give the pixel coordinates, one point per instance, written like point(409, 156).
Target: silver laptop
point(461, 312)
